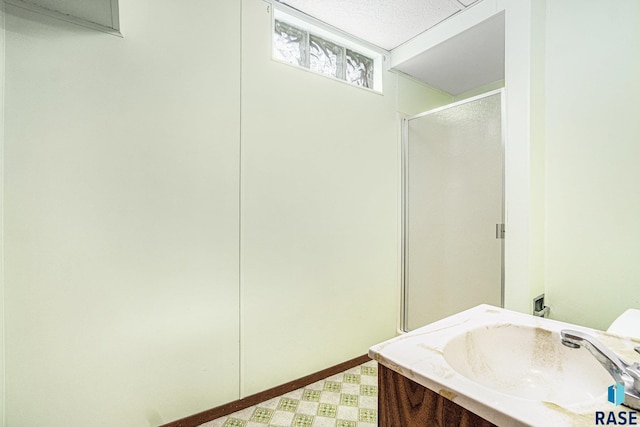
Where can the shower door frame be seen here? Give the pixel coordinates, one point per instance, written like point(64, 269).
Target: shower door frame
point(404, 312)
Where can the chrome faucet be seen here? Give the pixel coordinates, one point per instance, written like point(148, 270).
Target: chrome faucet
point(622, 372)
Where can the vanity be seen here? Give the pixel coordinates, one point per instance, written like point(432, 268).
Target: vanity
point(490, 366)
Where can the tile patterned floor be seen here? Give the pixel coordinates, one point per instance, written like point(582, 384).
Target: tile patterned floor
point(348, 399)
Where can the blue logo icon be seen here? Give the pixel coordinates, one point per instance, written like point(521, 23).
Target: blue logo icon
point(616, 394)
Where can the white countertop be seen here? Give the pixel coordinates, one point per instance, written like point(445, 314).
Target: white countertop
point(419, 355)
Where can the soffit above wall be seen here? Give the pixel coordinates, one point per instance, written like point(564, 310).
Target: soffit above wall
point(466, 61)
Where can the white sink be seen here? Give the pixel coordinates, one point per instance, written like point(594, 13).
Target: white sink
point(527, 362)
point(509, 368)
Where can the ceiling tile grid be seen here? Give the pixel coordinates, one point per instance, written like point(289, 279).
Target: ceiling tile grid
point(386, 24)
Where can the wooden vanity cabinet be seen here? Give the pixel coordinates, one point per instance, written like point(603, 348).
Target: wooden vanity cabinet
point(405, 403)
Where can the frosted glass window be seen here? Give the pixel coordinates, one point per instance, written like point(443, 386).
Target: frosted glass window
point(359, 69)
point(325, 57)
point(290, 44)
point(298, 46)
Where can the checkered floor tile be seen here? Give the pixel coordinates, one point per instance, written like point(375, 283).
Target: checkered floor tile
point(348, 399)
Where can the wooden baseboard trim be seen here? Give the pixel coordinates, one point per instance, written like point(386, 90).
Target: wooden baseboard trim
point(237, 405)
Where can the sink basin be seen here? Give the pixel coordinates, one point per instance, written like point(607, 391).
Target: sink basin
point(507, 367)
point(529, 363)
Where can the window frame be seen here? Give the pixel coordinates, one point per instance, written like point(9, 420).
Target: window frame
point(347, 42)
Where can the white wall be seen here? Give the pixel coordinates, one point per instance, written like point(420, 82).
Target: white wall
point(121, 215)
point(518, 237)
point(592, 157)
point(320, 190)
point(2, 299)
point(537, 151)
point(480, 90)
point(415, 97)
point(183, 230)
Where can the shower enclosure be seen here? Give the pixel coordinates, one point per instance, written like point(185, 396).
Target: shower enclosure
point(453, 209)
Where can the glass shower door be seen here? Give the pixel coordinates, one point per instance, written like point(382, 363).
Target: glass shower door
point(453, 209)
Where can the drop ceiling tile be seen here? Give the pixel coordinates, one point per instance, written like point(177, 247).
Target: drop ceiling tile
point(387, 24)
